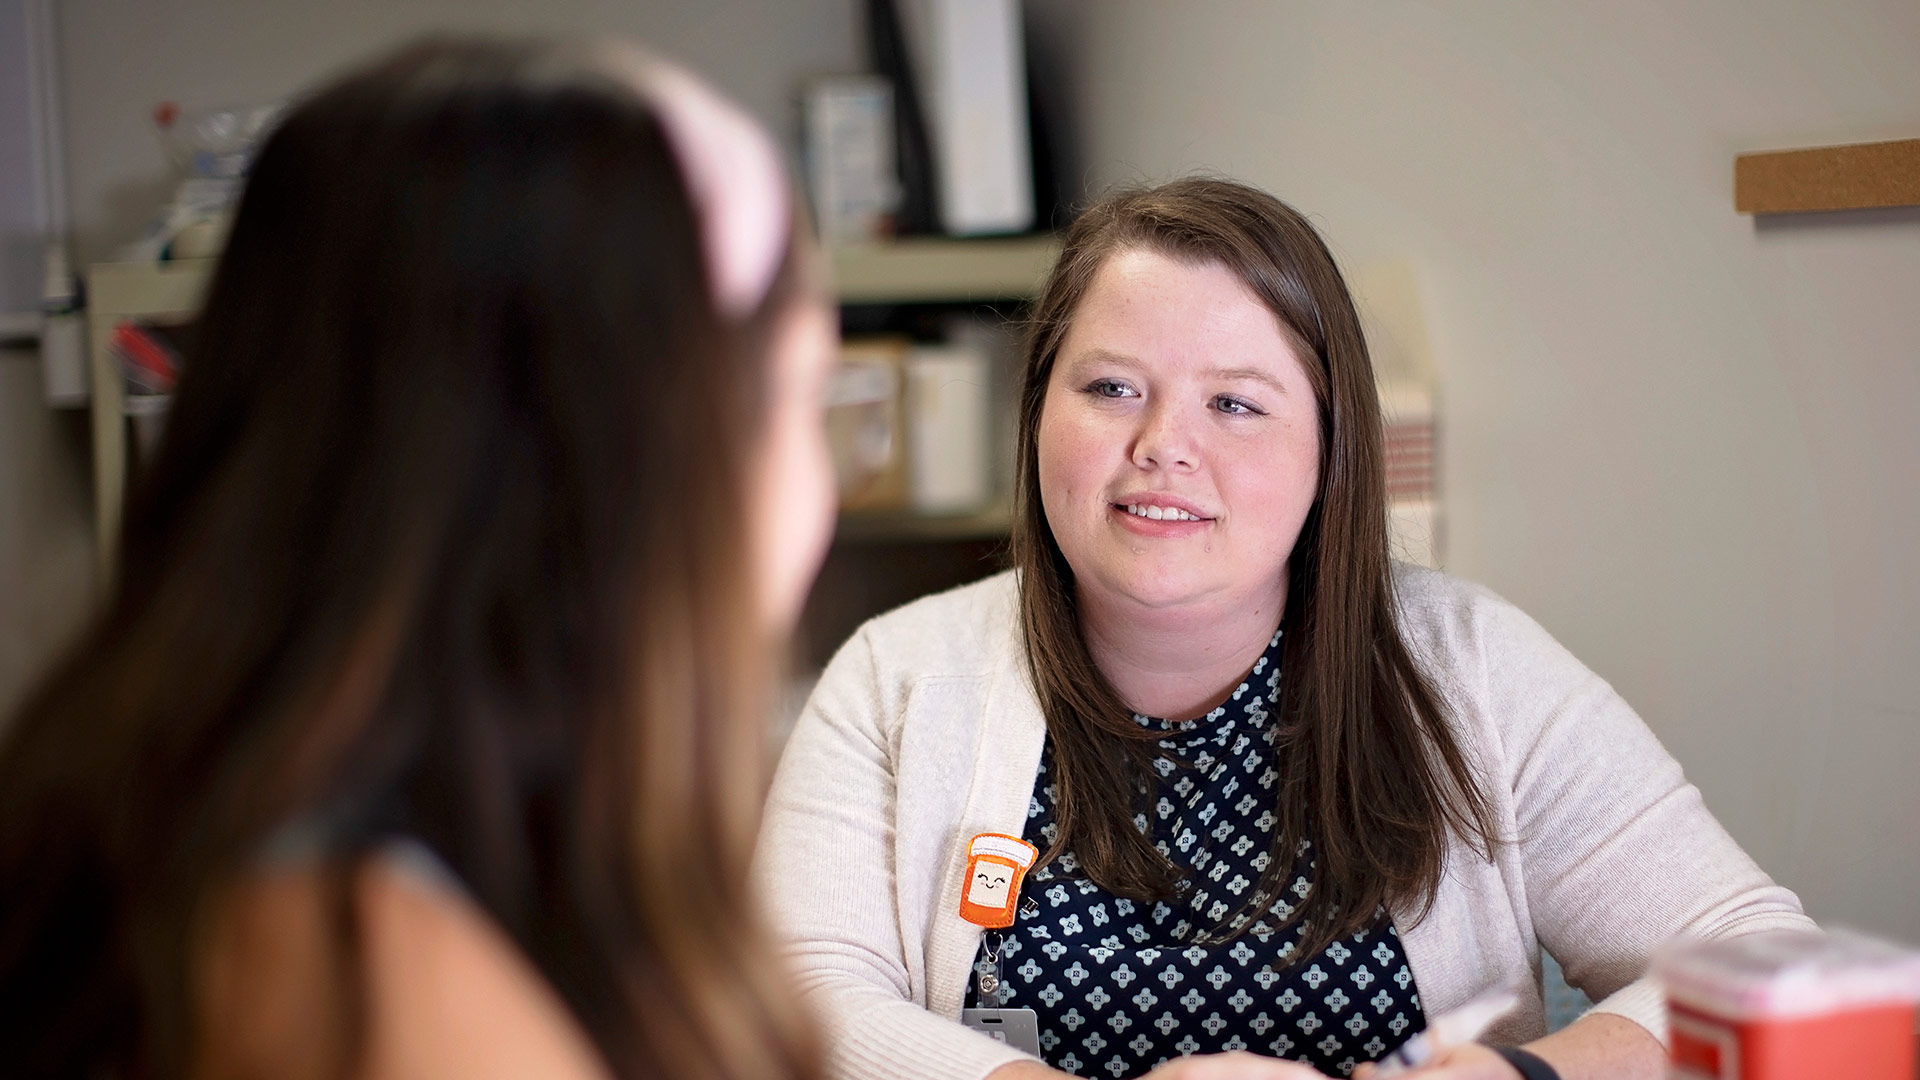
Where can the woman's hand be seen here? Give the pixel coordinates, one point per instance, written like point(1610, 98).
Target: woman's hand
point(1234, 1065)
point(1469, 1062)
point(1598, 1045)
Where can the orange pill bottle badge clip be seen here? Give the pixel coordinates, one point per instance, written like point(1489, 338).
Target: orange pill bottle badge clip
point(996, 864)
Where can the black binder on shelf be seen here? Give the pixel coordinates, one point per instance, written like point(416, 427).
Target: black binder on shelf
point(893, 59)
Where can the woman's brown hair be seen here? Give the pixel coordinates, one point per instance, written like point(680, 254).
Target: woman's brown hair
point(1370, 771)
point(446, 539)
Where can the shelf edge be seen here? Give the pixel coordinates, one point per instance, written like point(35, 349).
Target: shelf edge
point(1859, 176)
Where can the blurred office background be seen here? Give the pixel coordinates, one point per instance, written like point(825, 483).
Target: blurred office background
point(1681, 437)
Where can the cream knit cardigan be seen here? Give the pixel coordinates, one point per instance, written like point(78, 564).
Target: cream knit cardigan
point(924, 730)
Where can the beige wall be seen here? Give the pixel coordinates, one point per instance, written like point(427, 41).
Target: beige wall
point(46, 528)
point(1685, 442)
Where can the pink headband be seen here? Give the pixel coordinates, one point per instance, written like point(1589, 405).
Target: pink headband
point(735, 176)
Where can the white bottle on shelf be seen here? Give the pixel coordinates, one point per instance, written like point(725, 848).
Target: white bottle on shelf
point(949, 426)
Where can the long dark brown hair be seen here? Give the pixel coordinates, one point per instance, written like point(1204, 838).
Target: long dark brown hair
point(1370, 770)
point(446, 537)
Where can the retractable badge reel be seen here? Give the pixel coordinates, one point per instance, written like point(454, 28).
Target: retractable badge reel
point(996, 865)
point(990, 899)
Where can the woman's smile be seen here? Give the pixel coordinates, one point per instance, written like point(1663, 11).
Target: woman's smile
point(1159, 516)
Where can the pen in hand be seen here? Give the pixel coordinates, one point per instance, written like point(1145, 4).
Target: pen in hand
point(1449, 1029)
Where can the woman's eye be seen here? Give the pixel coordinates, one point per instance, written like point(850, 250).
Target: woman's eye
point(1234, 406)
point(1109, 388)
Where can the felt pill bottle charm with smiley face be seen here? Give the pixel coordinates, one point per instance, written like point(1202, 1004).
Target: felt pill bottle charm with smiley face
point(996, 864)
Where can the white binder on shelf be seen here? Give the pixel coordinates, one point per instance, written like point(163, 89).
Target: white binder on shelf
point(972, 64)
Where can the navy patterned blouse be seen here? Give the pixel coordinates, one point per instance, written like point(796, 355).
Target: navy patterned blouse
point(1121, 986)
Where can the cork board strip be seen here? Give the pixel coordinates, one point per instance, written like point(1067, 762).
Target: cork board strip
point(1828, 178)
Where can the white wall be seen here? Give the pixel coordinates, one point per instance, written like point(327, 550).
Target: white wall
point(1685, 442)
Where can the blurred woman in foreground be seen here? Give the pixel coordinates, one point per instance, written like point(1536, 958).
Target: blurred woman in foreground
point(420, 736)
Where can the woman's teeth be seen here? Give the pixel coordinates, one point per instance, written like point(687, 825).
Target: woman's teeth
point(1159, 513)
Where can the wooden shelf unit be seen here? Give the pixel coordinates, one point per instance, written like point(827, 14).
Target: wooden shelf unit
point(1861, 176)
point(117, 293)
point(911, 271)
point(928, 270)
point(861, 527)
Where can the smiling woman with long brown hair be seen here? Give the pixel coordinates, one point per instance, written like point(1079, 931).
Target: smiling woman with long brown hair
point(421, 734)
point(1285, 799)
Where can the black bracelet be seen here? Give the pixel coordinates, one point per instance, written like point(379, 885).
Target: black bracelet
point(1530, 1065)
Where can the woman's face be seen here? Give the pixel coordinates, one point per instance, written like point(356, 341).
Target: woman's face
point(793, 488)
point(1179, 441)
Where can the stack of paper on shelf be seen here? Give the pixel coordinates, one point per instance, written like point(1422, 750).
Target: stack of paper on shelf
point(1413, 518)
point(849, 149)
point(1388, 294)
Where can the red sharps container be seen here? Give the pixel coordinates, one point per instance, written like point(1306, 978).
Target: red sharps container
point(1788, 1005)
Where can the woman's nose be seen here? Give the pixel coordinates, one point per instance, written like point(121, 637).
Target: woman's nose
point(1164, 439)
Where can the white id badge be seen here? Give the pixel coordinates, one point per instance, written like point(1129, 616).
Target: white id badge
point(1018, 1028)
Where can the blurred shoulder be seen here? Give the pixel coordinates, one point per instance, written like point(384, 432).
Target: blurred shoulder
point(1452, 620)
point(447, 993)
point(268, 976)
